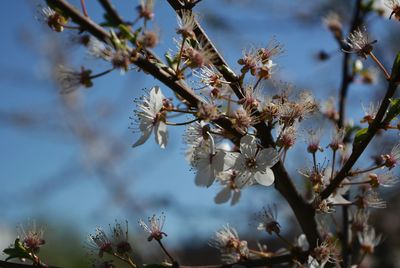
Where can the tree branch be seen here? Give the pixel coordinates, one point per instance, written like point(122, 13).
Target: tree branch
point(359, 148)
point(347, 78)
point(219, 62)
point(6, 264)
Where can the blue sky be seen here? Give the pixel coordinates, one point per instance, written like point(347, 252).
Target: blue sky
point(45, 170)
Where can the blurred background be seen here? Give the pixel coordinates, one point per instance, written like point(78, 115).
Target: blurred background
point(67, 161)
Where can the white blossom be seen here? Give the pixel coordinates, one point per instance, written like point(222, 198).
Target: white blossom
point(269, 220)
point(229, 190)
point(394, 6)
point(154, 228)
point(359, 43)
point(392, 159)
point(100, 241)
point(333, 21)
point(150, 116)
point(385, 179)
point(370, 112)
point(336, 198)
point(208, 162)
point(368, 240)
point(231, 247)
point(32, 236)
point(254, 163)
point(187, 24)
point(302, 242)
point(70, 79)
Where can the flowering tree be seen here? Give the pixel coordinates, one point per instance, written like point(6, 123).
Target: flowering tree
point(239, 136)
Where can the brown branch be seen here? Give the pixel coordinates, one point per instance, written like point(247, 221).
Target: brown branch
point(219, 61)
point(347, 78)
point(6, 264)
point(84, 22)
point(287, 258)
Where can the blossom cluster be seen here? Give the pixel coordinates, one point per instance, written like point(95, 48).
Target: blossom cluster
point(239, 136)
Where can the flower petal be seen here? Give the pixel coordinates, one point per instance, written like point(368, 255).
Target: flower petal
point(338, 199)
point(161, 134)
point(220, 162)
point(204, 176)
point(146, 131)
point(223, 196)
point(156, 99)
point(248, 146)
point(268, 157)
point(244, 179)
point(235, 197)
point(266, 178)
point(230, 159)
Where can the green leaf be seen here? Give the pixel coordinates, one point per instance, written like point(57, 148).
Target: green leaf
point(394, 110)
point(127, 34)
point(106, 24)
point(350, 131)
point(368, 6)
point(396, 67)
point(360, 135)
point(156, 265)
point(18, 251)
point(169, 58)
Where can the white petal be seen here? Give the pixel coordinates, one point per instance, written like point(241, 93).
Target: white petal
point(244, 179)
point(189, 153)
point(145, 135)
point(235, 197)
point(342, 190)
point(161, 134)
point(145, 124)
point(230, 159)
point(204, 176)
point(302, 242)
point(266, 178)
point(248, 146)
point(268, 157)
point(218, 162)
point(223, 196)
point(156, 99)
point(313, 263)
point(338, 199)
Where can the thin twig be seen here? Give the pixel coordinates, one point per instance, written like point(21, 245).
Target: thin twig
point(165, 251)
point(84, 10)
point(380, 65)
